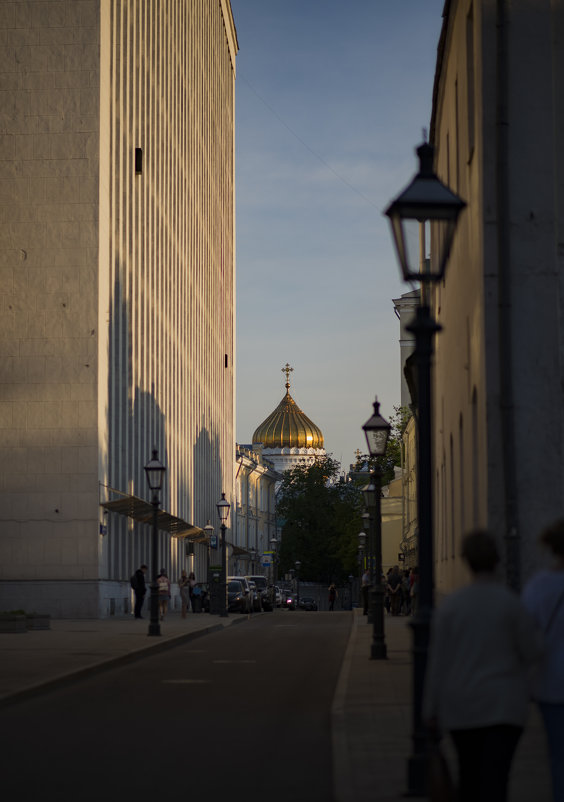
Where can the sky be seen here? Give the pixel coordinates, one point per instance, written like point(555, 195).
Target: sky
point(332, 97)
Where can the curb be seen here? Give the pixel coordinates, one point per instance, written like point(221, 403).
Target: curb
point(110, 663)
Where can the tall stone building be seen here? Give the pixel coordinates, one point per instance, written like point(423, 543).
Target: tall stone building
point(497, 119)
point(117, 288)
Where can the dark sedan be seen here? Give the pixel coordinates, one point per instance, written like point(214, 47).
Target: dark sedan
point(307, 603)
point(237, 599)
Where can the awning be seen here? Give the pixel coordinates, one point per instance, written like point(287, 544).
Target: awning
point(142, 511)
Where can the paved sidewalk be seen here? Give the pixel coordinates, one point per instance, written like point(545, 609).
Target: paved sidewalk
point(372, 725)
point(37, 660)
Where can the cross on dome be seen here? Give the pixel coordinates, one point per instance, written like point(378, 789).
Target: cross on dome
point(287, 370)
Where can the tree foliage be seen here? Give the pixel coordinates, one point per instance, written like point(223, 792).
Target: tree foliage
point(321, 520)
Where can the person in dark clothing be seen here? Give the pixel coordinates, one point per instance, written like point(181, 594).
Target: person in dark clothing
point(140, 589)
point(394, 590)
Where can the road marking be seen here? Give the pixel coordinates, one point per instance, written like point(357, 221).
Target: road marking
point(185, 681)
point(233, 661)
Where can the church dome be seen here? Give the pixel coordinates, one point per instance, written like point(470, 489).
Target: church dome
point(288, 426)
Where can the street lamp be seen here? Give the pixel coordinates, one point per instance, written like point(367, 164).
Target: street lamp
point(155, 471)
point(377, 431)
point(274, 549)
point(426, 202)
point(223, 507)
point(298, 566)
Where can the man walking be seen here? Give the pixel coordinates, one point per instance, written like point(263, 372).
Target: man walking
point(139, 588)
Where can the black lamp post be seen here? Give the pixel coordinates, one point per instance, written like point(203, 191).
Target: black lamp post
point(223, 507)
point(298, 566)
point(155, 471)
point(425, 204)
point(377, 431)
point(274, 549)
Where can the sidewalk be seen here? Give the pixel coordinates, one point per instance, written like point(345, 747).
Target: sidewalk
point(371, 715)
point(35, 661)
point(372, 725)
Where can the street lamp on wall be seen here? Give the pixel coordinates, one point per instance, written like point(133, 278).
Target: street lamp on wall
point(155, 471)
point(223, 507)
point(425, 203)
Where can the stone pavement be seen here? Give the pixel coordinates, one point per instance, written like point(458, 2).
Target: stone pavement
point(371, 715)
point(372, 725)
point(38, 660)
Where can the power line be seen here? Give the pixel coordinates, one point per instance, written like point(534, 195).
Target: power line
point(305, 145)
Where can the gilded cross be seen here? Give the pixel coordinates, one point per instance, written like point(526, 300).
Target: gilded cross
point(287, 370)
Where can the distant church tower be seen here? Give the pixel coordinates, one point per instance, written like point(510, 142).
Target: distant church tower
point(288, 437)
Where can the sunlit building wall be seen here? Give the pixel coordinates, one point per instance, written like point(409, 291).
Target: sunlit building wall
point(117, 277)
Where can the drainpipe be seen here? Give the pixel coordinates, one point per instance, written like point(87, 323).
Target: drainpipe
point(505, 356)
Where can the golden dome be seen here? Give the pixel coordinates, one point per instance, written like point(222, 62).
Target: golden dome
point(288, 426)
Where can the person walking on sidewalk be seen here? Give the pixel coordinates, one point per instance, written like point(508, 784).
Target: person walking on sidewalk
point(333, 595)
point(184, 587)
point(139, 589)
point(192, 584)
point(544, 598)
point(394, 590)
point(163, 584)
point(483, 646)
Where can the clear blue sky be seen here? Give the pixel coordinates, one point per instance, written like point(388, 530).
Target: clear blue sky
point(331, 100)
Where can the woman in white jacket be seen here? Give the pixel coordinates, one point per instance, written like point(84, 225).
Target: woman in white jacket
point(544, 598)
point(483, 645)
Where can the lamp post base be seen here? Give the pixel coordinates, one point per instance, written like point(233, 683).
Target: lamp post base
point(378, 651)
point(416, 776)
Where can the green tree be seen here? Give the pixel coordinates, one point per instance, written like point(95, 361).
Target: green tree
point(321, 520)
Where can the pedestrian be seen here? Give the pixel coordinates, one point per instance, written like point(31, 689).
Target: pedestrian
point(483, 646)
point(405, 596)
point(365, 589)
point(192, 584)
point(544, 598)
point(163, 584)
point(139, 589)
point(413, 589)
point(193, 594)
point(184, 587)
point(333, 595)
point(394, 589)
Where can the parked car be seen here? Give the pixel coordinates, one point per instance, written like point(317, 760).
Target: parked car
point(263, 589)
point(307, 603)
point(238, 597)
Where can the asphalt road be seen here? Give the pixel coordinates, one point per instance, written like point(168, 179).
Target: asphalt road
point(238, 715)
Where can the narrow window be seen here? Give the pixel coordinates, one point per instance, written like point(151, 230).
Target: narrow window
point(138, 161)
point(226, 361)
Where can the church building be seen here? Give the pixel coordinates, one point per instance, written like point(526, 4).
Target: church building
point(287, 436)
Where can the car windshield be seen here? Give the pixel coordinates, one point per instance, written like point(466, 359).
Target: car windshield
point(234, 587)
point(260, 582)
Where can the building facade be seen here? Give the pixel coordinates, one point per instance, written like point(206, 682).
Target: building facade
point(118, 290)
point(497, 119)
point(255, 512)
